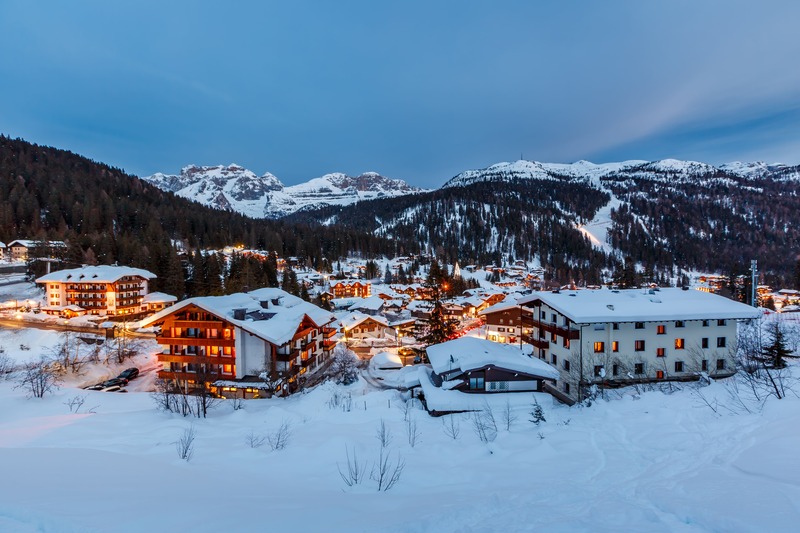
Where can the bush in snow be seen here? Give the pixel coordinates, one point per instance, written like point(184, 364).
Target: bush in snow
point(279, 439)
point(344, 368)
point(537, 414)
point(6, 364)
point(185, 444)
point(484, 424)
point(451, 426)
point(37, 378)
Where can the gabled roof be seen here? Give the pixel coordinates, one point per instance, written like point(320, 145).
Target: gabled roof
point(641, 305)
point(373, 303)
point(354, 319)
point(95, 274)
point(159, 297)
point(276, 323)
point(471, 353)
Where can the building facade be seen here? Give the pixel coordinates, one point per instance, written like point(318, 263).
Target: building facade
point(242, 339)
point(98, 290)
point(616, 337)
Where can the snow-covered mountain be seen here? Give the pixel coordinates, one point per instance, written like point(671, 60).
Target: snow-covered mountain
point(235, 188)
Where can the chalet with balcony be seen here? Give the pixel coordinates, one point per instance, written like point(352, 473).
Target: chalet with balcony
point(19, 249)
point(360, 326)
point(347, 288)
point(97, 290)
point(245, 339)
point(506, 322)
point(617, 337)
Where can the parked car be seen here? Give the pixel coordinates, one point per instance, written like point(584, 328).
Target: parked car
point(130, 373)
point(121, 382)
point(113, 388)
point(94, 387)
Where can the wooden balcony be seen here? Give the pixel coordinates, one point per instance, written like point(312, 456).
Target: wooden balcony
point(199, 324)
point(549, 327)
point(287, 357)
point(197, 359)
point(308, 361)
point(302, 333)
point(328, 344)
point(196, 341)
point(192, 376)
point(538, 343)
point(328, 332)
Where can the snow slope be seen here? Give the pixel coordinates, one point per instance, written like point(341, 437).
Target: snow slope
point(238, 189)
point(633, 462)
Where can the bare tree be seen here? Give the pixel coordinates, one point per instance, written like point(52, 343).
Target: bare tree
point(185, 444)
point(38, 378)
point(508, 416)
point(6, 364)
point(75, 403)
point(484, 424)
point(279, 439)
point(451, 426)
point(355, 471)
point(253, 440)
point(383, 434)
point(385, 472)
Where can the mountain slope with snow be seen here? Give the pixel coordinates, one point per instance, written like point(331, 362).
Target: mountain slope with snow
point(237, 189)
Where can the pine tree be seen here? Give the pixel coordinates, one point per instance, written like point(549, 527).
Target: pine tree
point(537, 414)
point(776, 352)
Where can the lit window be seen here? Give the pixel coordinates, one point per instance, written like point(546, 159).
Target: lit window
point(661, 329)
point(659, 374)
point(680, 344)
point(660, 352)
point(614, 346)
point(599, 347)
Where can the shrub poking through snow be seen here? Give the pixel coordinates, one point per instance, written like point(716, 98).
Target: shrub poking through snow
point(37, 378)
point(537, 413)
point(185, 444)
point(279, 439)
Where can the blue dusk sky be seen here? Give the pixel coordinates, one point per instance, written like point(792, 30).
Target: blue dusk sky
point(417, 90)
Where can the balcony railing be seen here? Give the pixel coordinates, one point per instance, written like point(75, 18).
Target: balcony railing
point(196, 341)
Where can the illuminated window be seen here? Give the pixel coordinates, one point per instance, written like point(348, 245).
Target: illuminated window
point(614, 346)
point(659, 374)
point(660, 352)
point(680, 344)
point(661, 329)
point(599, 347)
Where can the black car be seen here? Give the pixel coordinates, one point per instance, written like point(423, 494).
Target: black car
point(115, 381)
point(129, 374)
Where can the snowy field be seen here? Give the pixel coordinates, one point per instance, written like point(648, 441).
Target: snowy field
point(650, 461)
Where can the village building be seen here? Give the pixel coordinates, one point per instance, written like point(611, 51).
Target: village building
point(615, 337)
point(157, 301)
point(346, 288)
point(234, 344)
point(360, 326)
point(504, 322)
point(473, 365)
point(18, 250)
point(96, 290)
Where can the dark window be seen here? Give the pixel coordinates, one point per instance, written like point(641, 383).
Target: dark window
point(639, 346)
point(679, 323)
point(555, 318)
point(721, 342)
point(566, 388)
point(566, 365)
point(704, 365)
point(615, 325)
point(598, 369)
point(639, 325)
point(615, 370)
point(544, 315)
point(476, 383)
point(721, 322)
point(705, 323)
point(553, 337)
point(720, 364)
point(554, 359)
point(678, 366)
point(638, 368)
point(661, 352)
point(704, 342)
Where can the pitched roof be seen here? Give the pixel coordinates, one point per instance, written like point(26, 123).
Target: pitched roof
point(641, 305)
point(95, 274)
point(470, 353)
point(277, 323)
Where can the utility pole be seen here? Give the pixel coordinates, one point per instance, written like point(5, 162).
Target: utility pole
point(753, 282)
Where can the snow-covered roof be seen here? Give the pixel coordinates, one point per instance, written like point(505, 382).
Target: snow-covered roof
point(276, 323)
point(506, 304)
point(159, 297)
point(469, 353)
point(373, 303)
point(354, 319)
point(385, 360)
point(95, 274)
point(641, 305)
point(30, 243)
